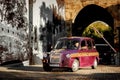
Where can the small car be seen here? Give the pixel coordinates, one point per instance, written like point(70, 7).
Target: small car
point(71, 53)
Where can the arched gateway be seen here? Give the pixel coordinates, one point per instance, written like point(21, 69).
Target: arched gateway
point(90, 14)
point(96, 16)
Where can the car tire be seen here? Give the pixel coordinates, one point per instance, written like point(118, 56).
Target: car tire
point(95, 64)
point(75, 65)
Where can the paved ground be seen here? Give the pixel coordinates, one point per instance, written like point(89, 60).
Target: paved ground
point(103, 72)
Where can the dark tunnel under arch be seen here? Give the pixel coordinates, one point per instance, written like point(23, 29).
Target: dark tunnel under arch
point(88, 15)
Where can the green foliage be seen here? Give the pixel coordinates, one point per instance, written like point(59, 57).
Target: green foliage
point(102, 27)
point(13, 12)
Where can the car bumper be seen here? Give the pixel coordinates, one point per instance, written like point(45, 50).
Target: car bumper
point(54, 65)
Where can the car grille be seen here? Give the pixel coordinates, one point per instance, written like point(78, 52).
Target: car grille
point(55, 58)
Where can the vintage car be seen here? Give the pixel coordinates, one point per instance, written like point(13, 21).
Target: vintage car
point(71, 53)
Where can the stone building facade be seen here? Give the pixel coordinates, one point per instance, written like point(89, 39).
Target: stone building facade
point(72, 8)
point(52, 18)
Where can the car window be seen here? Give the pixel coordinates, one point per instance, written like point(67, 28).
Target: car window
point(89, 44)
point(93, 44)
point(67, 44)
point(83, 45)
point(76, 44)
point(73, 44)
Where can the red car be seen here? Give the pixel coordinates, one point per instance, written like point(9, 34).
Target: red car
point(72, 53)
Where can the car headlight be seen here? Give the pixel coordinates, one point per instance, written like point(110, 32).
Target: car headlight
point(68, 56)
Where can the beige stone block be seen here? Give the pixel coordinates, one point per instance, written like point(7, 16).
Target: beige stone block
point(67, 16)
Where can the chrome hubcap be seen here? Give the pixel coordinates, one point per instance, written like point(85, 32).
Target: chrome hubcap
point(75, 66)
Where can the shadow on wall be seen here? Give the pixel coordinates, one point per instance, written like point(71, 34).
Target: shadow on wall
point(51, 27)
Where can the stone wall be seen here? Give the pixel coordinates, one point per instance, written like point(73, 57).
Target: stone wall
point(72, 7)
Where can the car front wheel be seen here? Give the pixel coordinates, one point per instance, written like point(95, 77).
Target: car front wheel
point(75, 65)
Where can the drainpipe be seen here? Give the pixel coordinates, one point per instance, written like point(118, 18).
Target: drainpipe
point(30, 32)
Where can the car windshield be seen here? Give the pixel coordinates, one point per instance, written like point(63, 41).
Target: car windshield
point(67, 44)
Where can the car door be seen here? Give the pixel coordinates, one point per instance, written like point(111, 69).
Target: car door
point(91, 52)
point(84, 59)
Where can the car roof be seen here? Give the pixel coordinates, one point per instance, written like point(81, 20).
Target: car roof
point(75, 37)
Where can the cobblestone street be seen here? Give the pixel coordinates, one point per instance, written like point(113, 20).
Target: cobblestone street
point(103, 72)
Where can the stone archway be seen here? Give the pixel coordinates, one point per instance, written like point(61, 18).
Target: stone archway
point(93, 14)
point(88, 15)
